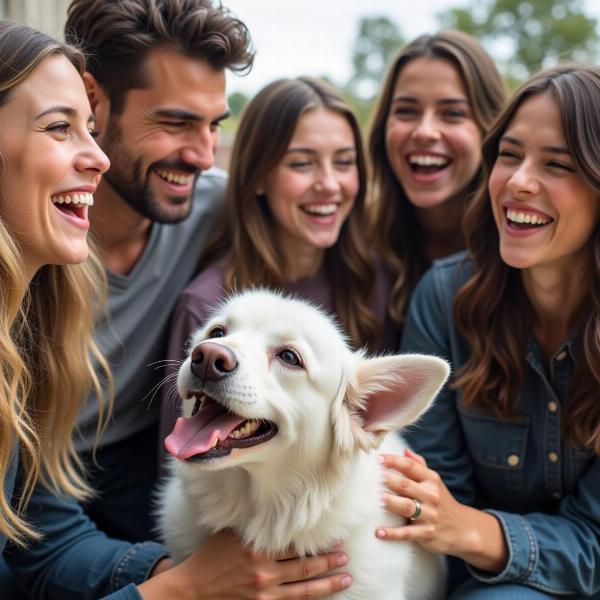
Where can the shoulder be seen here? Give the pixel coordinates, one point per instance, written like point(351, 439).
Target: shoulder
point(204, 291)
point(447, 275)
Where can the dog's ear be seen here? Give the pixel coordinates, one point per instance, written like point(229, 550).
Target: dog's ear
point(388, 393)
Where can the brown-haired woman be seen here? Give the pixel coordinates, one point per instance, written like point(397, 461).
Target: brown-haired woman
point(438, 100)
point(295, 217)
point(508, 478)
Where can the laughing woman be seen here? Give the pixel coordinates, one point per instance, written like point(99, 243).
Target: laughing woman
point(508, 471)
point(295, 218)
point(49, 168)
point(438, 100)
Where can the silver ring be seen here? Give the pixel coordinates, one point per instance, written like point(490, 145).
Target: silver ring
point(418, 510)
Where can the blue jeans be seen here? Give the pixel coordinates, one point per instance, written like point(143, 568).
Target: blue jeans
point(475, 590)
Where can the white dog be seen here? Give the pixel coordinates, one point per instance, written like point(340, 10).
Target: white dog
point(283, 424)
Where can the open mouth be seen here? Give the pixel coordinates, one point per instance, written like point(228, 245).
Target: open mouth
point(73, 204)
point(525, 220)
point(427, 164)
point(212, 432)
point(175, 178)
point(321, 210)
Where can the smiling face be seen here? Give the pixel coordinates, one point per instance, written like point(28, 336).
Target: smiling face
point(544, 210)
point(310, 193)
point(432, 140)
point(166, 135)
point(51, 165)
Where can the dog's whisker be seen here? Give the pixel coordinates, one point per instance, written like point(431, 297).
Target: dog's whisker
point(166, 362)
point(157, 387)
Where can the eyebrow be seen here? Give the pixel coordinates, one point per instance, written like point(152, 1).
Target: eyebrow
point(185, 115)
point(413, 100)
point(553, 149)
point(65, 110)
point(313, 151)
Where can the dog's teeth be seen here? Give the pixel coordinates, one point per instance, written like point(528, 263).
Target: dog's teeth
point(247, 430)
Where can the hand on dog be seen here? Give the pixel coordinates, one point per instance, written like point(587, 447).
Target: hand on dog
point(222, 568)
point(445, 526)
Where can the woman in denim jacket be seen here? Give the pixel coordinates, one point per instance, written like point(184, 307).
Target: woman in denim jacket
point(507, 478)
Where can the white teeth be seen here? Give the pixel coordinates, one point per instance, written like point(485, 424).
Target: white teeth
point(321, 209)
point(80, 198)
point(426, 160)
point(521, 217)
point(174, 177)
point(247, 430)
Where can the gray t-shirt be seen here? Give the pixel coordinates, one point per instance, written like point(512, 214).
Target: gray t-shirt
point(134, 335)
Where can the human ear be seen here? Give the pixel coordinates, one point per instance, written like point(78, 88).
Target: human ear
point(98, 98)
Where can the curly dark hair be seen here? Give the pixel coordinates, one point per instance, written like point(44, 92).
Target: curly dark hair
point(117, 35)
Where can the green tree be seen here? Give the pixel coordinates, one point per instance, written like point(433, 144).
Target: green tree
point(539, 33)
point(377, 40)
point(237, 101)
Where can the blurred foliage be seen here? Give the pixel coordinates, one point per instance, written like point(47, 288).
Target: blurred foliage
point(377, 40)
point(531, 33)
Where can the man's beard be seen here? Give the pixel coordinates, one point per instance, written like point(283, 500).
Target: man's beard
point(127, 178)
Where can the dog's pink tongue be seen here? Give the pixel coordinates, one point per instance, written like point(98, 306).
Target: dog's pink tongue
point(197, 434)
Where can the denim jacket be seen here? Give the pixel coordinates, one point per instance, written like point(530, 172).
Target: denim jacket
point(74, 560)
point(545, 494)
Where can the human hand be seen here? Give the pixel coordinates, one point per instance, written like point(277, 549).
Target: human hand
point(444, 525)
point(439, 524)
point(222, 568)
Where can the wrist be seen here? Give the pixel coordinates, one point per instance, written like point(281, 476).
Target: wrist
point(168, 583)
point(164, 564)
point(482, 544)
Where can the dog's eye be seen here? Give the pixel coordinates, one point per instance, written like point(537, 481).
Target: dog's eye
point(216, 332)
point(289, 357)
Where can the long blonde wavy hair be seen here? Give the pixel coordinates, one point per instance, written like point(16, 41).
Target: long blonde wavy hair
point(46, 344)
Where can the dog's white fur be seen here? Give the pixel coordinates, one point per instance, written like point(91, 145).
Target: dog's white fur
point(318, 480)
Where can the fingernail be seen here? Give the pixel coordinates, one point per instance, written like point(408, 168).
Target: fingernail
point(346, 581)
point(342, 560)
point(381, 459)
point(381, 533)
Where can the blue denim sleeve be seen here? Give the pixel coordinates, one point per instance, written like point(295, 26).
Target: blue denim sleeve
point(75, 561)
point(558, 553)
point(438, 434)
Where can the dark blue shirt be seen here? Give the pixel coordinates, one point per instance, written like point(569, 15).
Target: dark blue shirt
point(545, 493)
point(75, 561)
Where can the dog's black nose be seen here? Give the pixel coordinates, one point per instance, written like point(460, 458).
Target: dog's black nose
point(212, 361)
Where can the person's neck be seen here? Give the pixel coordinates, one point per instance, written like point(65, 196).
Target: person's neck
point(121, 232)
point(556, 293)
point(302, 262)
point(441, 227)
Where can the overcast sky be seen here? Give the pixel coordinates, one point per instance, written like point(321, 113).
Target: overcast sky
point(315, 37)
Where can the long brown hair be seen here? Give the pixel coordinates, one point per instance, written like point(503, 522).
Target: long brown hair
point(46, 344)
point(399, 235)
point(247, 233)
point(493, 304)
